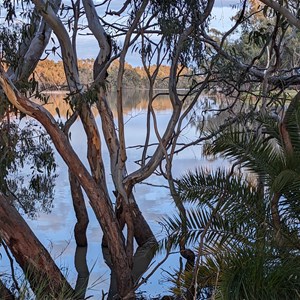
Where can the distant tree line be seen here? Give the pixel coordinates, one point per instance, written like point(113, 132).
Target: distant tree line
point(50, 75)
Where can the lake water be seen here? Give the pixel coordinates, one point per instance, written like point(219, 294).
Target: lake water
point(55, 230)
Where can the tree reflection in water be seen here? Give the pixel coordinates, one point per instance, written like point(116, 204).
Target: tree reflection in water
point(134, 110)
point(83, 272)
point(27, 173)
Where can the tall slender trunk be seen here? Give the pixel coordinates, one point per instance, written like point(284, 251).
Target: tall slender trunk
point(141, 231)
point(80, 211)
point(144, 253)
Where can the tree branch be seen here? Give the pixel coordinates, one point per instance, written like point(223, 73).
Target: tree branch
point(292, 19)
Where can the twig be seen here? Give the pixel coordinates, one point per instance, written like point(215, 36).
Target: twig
point(11, 261)
point(153, 271)
point(155, 185)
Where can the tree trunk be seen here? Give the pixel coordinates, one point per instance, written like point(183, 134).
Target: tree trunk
point(276, 219)
point(141, 230)
point(5, 293)
point(41, 271)
point(144, 253)
point(97, 195)
point(83, 272)
point(80, 211)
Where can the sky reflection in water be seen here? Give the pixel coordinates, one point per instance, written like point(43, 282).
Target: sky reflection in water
point(55, 230)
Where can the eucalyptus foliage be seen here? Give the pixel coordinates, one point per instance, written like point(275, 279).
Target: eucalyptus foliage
point(27, 166)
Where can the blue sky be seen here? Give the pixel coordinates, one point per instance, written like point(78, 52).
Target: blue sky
point(222, 3)
point(88, 47)
point(222, 12)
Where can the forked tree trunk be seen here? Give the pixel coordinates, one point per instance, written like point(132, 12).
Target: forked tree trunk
point(44, 276)
point(144, 253)
point(99, 200)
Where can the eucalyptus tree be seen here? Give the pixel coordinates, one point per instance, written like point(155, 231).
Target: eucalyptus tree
point(169, 31)
point(143, 18)
point(22, 145)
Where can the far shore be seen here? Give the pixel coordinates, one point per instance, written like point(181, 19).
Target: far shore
point(113, 90)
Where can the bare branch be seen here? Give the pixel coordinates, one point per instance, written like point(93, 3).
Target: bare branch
point(69, 57)
point(291, 18)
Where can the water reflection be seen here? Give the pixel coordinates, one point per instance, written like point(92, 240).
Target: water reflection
point(55, 230)
point(27, 174)
point(134, 101)
point(82, 269)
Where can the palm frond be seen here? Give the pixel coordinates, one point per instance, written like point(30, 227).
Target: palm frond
point(230, 221)
point(284, 180)
point(202, 188)
point(226, 210)
point(257, 154)
point(251, 275)
point(292, 121)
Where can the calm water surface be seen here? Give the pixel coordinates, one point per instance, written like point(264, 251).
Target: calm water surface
point(55, 230)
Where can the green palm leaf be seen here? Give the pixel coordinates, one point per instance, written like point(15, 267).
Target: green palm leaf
point(263, 156)
point(231, 222)
point(224, 202)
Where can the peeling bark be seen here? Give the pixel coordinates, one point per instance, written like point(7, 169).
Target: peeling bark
point(33, 47)
point(94, 145)
point(94, 185)
point(286, 139)
point(69, 57)
point(77, 198)
point(277, 6)
point(126, 210)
